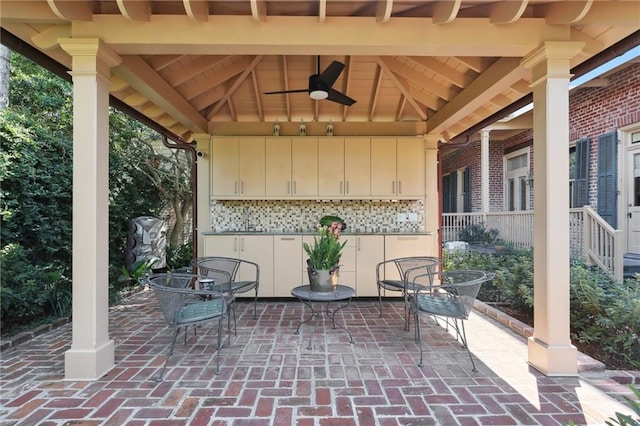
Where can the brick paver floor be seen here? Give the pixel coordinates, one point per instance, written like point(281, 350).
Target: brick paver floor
point(269, 377)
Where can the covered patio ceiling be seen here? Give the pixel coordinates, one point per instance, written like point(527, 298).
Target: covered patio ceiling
point(414, 67)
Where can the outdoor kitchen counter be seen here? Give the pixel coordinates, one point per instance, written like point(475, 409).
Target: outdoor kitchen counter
point(346, 234)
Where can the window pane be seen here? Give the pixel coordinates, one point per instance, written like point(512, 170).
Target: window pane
point(511, 194)
point(523, 193)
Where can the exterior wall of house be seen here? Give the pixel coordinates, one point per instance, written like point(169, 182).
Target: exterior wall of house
point(593, 111)
point(470, 155)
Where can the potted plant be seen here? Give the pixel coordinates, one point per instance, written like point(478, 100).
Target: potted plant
point(324, 254)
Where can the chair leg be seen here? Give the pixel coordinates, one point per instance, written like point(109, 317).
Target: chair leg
point(166, 361)
point(416, 318)
point(463, 337)
point(255, 306)
point(219, 349)
point(380, 301)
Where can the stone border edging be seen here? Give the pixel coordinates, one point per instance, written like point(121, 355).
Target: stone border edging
point(13, 341)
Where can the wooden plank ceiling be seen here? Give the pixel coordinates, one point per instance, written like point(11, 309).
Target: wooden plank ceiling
point(413, 66)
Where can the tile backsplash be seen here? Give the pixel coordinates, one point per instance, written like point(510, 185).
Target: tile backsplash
point(303, 215)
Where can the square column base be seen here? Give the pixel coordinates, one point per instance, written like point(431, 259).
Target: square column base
point(89, 364)
point(553, 360)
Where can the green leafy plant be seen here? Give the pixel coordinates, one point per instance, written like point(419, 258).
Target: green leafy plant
point(478, 233)
point(326, 249)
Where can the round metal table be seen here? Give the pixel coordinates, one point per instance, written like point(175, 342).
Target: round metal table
point(342, 293)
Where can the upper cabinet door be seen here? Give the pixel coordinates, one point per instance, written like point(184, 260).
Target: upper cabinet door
point(251, 167)
point(304, 166)
point(278, 166)
point(383, 167)
point(357, 167)
point(224, 167)
point(331, 166)
point(410, 167)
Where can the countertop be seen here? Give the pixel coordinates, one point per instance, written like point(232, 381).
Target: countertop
point(346, 233)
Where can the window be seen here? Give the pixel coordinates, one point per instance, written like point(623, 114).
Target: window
point(456, 191)
point(516, 180)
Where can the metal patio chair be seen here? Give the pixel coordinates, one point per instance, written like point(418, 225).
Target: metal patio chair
point(403, 284)
point(183, 304)
point(224, 271)
point(451, 299)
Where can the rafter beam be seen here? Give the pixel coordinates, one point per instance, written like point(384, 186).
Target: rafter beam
point(499, 76)
point(417, 78)
point(183, 74)
point(444, 12)
point(135, 10)
point(295, 35)
point(506, 12)
point(48, 39)
point(80, 10)
point(191, 90)
point(346, 82)
point(377, 81)
point(146, 81)
point(566, 12)
point(383, 11)
point(259, 10)
point(198, 10)
point(256, 94)
point(450, 74)
point(234, 86)
point(322, 10)
point(401, 87)
point(285, 76)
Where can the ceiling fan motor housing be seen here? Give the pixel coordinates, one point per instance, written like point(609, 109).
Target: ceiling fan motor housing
point(318, 89)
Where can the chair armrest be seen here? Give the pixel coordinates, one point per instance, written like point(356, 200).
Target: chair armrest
point(254, 266)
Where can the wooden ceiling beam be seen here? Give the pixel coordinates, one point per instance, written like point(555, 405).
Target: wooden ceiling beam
point(383, 11)
point(566, 12)
point(192, 90)
point(259, 10)
point(450, 74)
point(298, 35)
point(146, 81)
point(444, 12)
point(234, 86)
point(135, 10)
point(506, 12)
point(183, 74)
point(78, 10)
point(198, 10)
point(401, 87)
point(502, 74)
point(377, 81)
point(417, 78)
point(322, 10)
point(346, 82)
point(159, 62)
point(48, 38)
point(256, 93)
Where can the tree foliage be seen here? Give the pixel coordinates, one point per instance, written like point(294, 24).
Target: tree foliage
point(36, 186)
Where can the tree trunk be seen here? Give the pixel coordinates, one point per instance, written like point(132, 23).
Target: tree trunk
point(5, 74)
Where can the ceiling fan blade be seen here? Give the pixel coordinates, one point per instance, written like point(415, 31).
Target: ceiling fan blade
point(287, 91)
point(340, 98)
point(331, 73)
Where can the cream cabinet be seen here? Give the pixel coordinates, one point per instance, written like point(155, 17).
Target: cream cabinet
point(291, 168)
point(254, 248)
point(237, 167)
point(397, 167)
point(369, 252)
point(396, 246)
point(331, 166)
point(357, 167)
point(287, 257)
point(344, 167)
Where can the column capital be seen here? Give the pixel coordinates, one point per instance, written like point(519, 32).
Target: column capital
point(432, 140)
point(552, 50)
point(90, 55)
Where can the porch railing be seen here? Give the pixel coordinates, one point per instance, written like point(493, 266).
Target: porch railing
point(591, 238)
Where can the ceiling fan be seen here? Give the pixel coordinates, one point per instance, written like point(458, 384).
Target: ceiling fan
point(320, 85)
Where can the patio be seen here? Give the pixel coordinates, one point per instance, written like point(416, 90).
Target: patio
point(269, 377)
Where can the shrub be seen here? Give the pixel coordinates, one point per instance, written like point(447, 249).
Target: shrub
point(478, 233)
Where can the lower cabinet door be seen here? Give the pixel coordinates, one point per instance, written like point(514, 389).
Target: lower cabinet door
point(287, 258)
point(369, 252)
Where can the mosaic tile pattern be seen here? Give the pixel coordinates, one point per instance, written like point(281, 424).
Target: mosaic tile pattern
point(302, 215)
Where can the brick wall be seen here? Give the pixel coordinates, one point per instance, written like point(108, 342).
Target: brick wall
point(593, 111)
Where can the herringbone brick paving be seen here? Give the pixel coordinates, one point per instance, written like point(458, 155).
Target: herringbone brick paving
point(269, 377)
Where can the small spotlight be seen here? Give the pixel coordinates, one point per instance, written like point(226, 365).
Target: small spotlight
point(276, 128)
point(330, 128)
point(303, 128)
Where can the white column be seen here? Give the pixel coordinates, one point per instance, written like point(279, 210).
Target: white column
point(550, 349)
point(484, 164)
point(92, 352)
point(203, 208)
point(432, 214)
